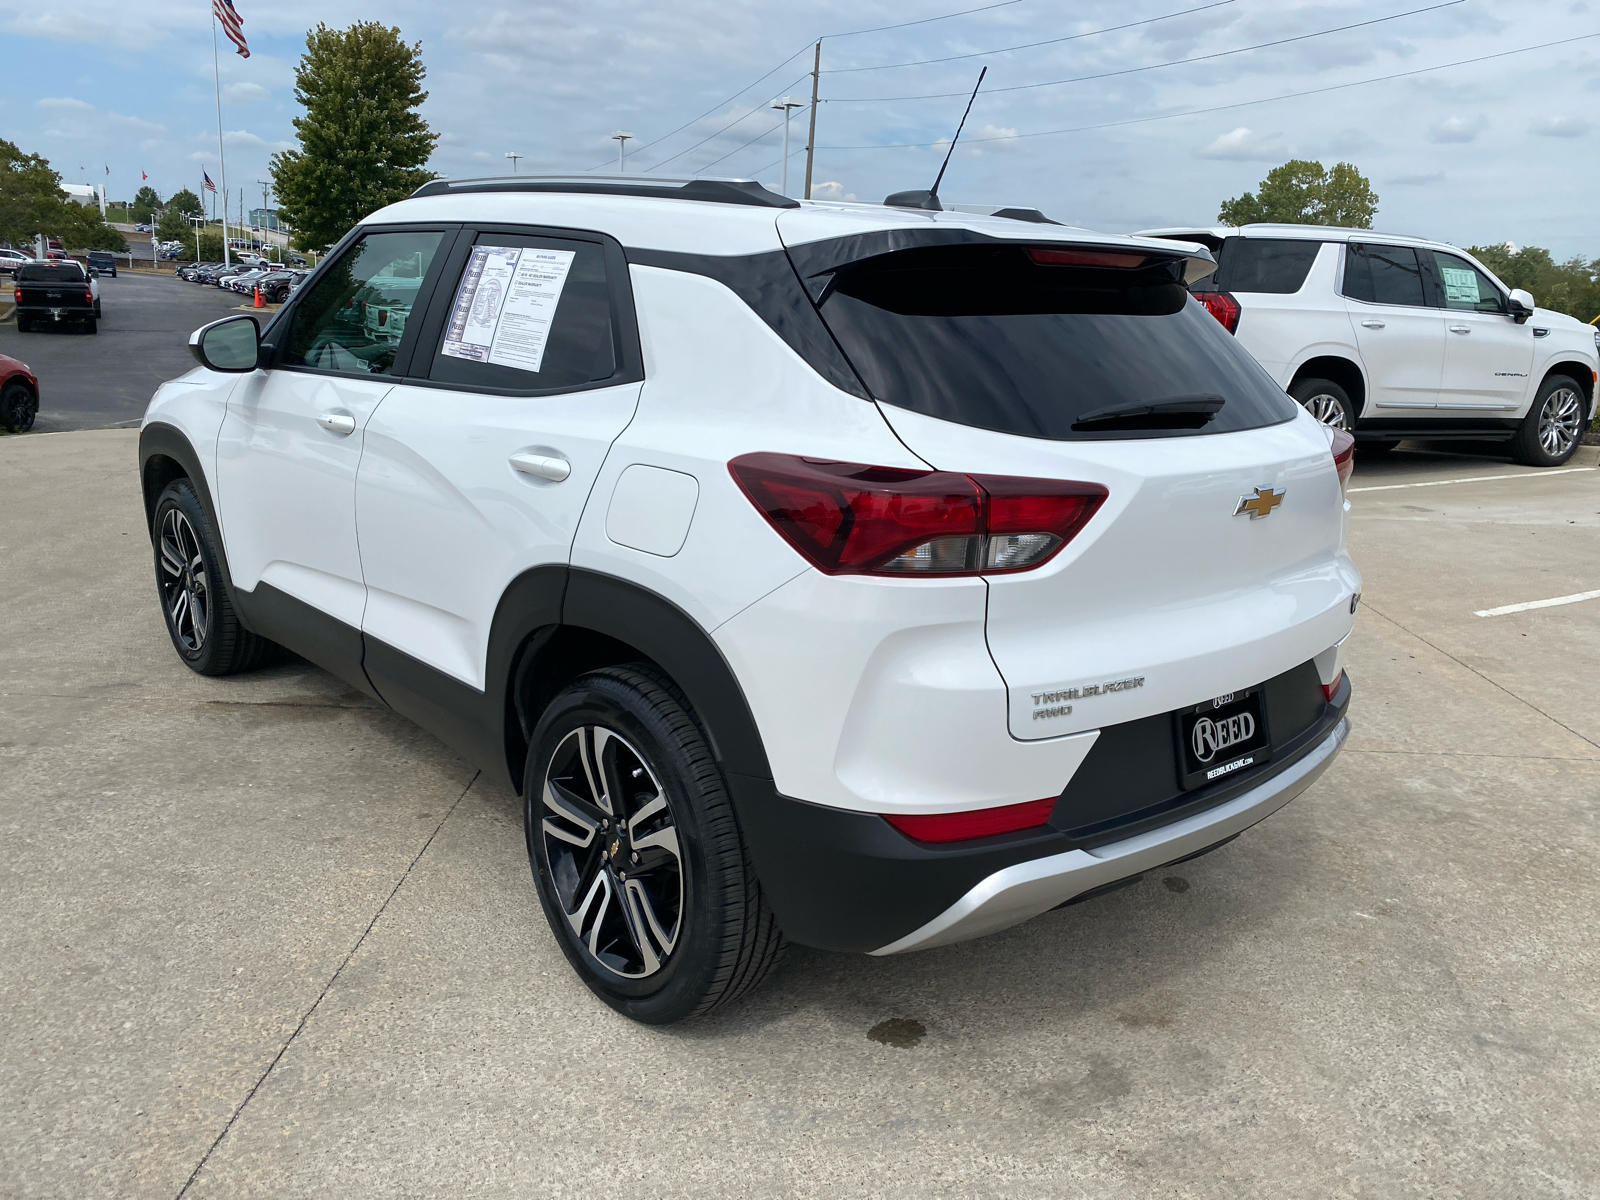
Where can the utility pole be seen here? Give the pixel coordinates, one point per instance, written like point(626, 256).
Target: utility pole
point(788, 104)
point(266, 206)
point(811, 140)
point(621, 137)
point(513, 158)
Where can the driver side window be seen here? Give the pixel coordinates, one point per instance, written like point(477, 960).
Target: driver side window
point(1466, 288)
point(352, 320)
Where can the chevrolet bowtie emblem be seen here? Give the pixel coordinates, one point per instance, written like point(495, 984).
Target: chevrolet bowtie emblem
point(1259, 505)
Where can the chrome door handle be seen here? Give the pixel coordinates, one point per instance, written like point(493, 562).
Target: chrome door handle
point(1461, 329)
point(341, 423)
point(542, 465)
point(1370, 324)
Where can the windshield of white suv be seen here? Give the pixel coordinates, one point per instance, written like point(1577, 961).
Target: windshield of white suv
point(1050, 342)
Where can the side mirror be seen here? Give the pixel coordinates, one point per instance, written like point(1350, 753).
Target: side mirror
point(1521, 305)
point(232, 344)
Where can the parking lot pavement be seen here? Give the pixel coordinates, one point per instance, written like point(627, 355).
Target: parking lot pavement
point(264, 938)
point(143, 340)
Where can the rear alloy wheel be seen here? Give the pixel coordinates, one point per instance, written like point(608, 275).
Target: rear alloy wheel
point(1326, 401)
point(18, 406)
point(204, 629)
point(1550, 433)
point(636, 853)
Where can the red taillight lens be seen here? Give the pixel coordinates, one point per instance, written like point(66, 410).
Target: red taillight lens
point(849, 518)
point(88, 296)
point(1344, 454)
point(1049, 256)
point(19, 295)
point(1223, 307)
point(982, 822)
point(1329, 690)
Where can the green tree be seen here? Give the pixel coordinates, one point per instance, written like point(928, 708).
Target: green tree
point(1572, 287)
point(1304, 193)
point(146, 203)
point(32, 202)
point(362, 143)
point(174, 223)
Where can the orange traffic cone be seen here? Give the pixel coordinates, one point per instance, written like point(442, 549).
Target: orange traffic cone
point(257, 291)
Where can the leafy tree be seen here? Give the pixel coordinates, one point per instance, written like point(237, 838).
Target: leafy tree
point(362, 143)
point(32, 202)
point(1304, 193)
point(146, 203)
point(1572, 287)
point(174, 223)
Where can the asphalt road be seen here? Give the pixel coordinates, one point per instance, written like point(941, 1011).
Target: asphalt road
point(91, 382)
point(265, 938)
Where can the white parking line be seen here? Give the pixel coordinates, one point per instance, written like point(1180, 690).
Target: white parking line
point(1390, 487)
point(1513, 608)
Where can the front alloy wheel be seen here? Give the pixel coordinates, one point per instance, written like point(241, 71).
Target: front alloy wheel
point(612, 847)
point(1560, 419)
point(185, 584)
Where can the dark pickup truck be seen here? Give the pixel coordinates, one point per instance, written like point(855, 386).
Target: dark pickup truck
point(49, 293)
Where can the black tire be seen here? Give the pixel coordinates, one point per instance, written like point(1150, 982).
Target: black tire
point(192, 594)
point(1326, 401)
point(97, 310)
point(24, 325)
point(91, 326)
point(696, 932)
point(18, 407)
point(1553, 429)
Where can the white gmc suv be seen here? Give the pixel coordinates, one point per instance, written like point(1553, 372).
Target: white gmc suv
point(864, 576)
point(1396, 337)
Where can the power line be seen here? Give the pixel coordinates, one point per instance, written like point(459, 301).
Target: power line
point(1193, 112)
point(1178, 62)
point(922, 62)
point(751, 142)
point(853, 33)
point(720, 132)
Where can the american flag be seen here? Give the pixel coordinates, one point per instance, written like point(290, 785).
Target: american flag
point(232, 24)
point(210, 187)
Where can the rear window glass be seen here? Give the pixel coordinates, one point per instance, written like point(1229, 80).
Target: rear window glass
point(984, 336)
point(1275, 265)
point(1383, 275)
point(48, 274)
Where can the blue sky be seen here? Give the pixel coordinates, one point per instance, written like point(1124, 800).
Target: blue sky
point(1502, 149)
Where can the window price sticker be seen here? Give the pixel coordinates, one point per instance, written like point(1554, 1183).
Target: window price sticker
point(505, 304)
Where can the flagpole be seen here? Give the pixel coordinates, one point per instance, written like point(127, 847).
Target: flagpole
point(216, 72)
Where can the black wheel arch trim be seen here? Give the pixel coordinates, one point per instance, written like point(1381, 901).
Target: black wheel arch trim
point(159, 440)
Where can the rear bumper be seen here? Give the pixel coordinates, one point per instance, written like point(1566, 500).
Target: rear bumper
point(847, 880)
point(1027, 889)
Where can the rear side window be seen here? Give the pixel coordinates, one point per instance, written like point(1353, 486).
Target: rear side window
point(1383, 275)
point(1275, 265)
point(989, 337)
point(528, 313)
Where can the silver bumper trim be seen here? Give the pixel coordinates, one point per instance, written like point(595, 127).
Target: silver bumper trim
point(1017, 893)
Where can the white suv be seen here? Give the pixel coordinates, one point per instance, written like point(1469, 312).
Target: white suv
point(1396, 337)
point(873, 578)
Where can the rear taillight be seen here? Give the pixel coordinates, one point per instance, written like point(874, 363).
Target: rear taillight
point(852, 519)
point(1049, 256)
point(1344, 454)
point(1330, 690)
point(88, 296)
point(982, 822)
point(19, 295)
point(1223, 307)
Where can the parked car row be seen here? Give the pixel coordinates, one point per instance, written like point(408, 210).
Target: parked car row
point(276, 284)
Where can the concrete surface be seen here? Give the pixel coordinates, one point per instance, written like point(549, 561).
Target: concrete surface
point(263, 938)
point(143, 340)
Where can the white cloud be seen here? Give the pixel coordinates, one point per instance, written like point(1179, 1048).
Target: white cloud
point(244, 93)
point(831, 190)
point(1458, 129)
point(243, 137)
point(1246, 145)
point(1419, 180)
point(1561, 127)
point(65, 104)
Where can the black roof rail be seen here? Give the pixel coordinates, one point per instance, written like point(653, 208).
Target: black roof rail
point(711, 191)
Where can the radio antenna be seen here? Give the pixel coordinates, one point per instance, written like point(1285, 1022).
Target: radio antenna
point(930, 198)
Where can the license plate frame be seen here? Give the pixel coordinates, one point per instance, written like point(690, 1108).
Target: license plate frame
point(1237, 739)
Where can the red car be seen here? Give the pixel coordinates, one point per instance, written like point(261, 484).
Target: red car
point(19, 395)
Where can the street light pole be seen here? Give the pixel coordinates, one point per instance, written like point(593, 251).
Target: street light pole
point(513, 158)
point(788, 104)
point(621, 137)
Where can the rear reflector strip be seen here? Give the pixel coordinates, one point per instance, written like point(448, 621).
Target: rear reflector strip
point(981, 822)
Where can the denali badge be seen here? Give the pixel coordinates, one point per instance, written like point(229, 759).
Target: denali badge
point(1260, 505)
point(1210, 736)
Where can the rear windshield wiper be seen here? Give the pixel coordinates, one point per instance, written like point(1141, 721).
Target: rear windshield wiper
point(1175, 412)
